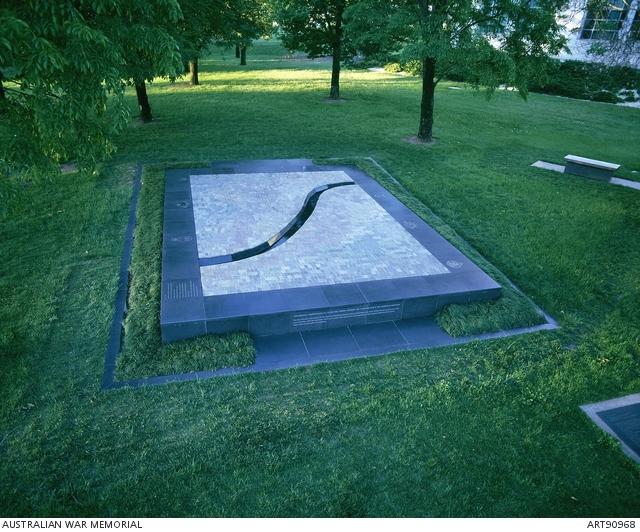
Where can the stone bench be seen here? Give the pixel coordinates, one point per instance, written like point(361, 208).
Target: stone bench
point(589, 167)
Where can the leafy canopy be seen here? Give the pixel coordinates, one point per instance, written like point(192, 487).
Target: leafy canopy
point(491, 41)
point(63, 64)
point(314, 26)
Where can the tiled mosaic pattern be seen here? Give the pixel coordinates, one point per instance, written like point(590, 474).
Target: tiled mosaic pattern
point(348, 238)
point(238, 211)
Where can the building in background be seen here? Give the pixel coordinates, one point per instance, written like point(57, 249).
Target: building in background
point(609, 34)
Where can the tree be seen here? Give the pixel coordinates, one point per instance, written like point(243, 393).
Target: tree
point(316, 27)
point(63, 64)
point(491, 41)
point(147, 45)
point(203, 20)
point(58, 72)
point(245, 21)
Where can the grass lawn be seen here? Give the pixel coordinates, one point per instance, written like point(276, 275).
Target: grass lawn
point(487, 429)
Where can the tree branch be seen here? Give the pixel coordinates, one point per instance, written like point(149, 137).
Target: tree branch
point(8, 89)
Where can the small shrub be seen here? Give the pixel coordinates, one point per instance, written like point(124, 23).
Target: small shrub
point(393, 68)
point(413, 67)
point(604, 96)
point(586, 81)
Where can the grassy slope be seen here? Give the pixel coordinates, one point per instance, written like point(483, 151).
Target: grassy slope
point(485, 429)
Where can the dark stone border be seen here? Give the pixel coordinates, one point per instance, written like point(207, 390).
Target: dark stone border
point(185, 312)
point(114, 342)
point(606, 415)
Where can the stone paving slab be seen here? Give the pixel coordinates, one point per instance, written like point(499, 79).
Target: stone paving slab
point(620, 418)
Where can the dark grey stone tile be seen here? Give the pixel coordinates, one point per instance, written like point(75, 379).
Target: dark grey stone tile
point(181, 310)
point(178, 215)
point(178, 289)
point(175, 198)
point(625, 422)
point(330, 342)
point(270, 324)
point(181, 252)
point(181, 241)
point(180, 268)
point(380, 337)
point(378, 290)
point(177, 185)
point(312, 297)
point(281, 345)
point(330, 317)
point(227, 325)
point(179, 229)
point(343, 294)
point(180, 331)
point(423, 332)
point(232, 305)
point(387, 311)
point(423, 306)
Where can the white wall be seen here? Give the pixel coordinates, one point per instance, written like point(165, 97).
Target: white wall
point(572, 21)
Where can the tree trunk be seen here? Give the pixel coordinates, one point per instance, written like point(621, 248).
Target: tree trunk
point(193, 69)
point(237, 51)
point(334, 93)
point(243, 55)
point(3, 97)
point(425, 131)
point(186, 67)
point(143, 102)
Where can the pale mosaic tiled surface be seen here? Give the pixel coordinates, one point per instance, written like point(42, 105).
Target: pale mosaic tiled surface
point(348, 238)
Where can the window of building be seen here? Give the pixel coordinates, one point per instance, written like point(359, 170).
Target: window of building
point(605, 23)
point(635, 27)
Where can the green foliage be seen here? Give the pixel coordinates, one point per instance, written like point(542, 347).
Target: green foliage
point(58, 72)
point(604, 96)
point(413, 67)
point(145, 40)
point(202, 20)
point(393, 68)
point(578, 79)
point(246, 20)
point(62, 67)
point(488, 40)
point(314, 26)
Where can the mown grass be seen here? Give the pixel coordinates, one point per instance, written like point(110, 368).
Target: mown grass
point(486, 429)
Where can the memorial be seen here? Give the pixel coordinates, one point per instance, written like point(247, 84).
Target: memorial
point(283, 246)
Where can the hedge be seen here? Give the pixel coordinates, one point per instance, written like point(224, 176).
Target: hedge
point(574, 79)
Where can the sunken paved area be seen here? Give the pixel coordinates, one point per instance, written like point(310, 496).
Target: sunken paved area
point(357, 258)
